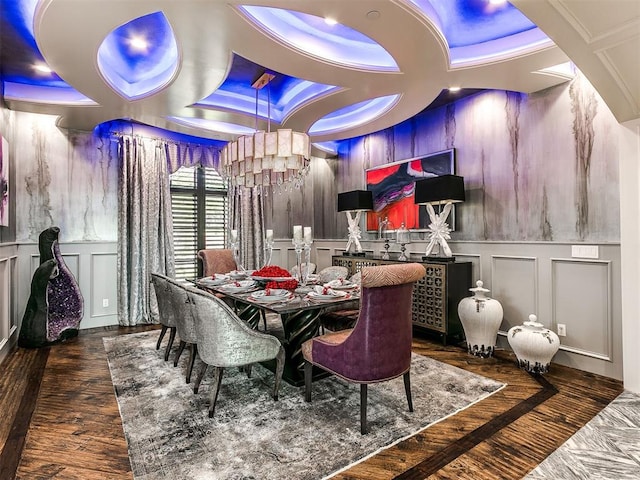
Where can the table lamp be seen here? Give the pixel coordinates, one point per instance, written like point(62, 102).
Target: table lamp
point(443, 190)
point(357, 201)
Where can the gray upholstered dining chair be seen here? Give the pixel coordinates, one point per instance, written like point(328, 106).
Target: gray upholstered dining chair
point(185, 324)
point(294, 270)
point(166, 311)
point(216, 260)
point(332, 273)
point(224, 341)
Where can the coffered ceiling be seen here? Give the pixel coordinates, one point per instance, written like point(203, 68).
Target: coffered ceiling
point(341, 68)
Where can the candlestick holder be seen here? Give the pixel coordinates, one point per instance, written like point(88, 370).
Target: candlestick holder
point(403, 238)
point(302, 262)
point(235, 250)
point(268, 252)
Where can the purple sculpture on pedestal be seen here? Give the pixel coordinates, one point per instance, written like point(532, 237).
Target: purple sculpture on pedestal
point(55, 307)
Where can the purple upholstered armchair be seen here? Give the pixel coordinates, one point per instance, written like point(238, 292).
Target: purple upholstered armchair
point(378, 348)
point(216, 260)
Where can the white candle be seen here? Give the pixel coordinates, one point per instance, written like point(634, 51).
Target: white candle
point(269, 235)
point(297, 233)
point(308, 238)
point(234, 236)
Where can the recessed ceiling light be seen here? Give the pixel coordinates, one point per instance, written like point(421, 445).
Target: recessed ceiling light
point(454, 89)
point(41, 67)
point(330, 21)
point(138, 43)
point(497, 2)
point(373, 15)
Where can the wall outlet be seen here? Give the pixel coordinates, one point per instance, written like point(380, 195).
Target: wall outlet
point(105, 302)
point(562, 330)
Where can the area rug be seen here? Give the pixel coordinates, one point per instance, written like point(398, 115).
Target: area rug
point(170, 435)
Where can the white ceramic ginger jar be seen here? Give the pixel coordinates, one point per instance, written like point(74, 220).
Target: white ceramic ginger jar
point(481, 317)
point(534, 345)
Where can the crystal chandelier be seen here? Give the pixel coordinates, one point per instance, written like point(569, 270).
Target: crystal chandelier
point(266, 158)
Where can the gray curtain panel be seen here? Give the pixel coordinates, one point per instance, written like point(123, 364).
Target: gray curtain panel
point(145, 227)
point(247, 216)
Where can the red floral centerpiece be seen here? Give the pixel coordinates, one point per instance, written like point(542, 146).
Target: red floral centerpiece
point(275, 272)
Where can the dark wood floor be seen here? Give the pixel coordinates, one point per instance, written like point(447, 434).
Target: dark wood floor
point(59, 418)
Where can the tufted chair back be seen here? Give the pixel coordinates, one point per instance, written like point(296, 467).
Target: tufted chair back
point(216, 260)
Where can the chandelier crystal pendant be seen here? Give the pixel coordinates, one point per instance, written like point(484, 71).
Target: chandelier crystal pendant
point(266, 158)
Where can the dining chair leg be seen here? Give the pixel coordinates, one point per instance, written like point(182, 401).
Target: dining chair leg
point(193, 352)
point(308, 370)
point(172, 337)
point(203, 370)
point(247, 368)
point(363, 409)
point(179, 352)
point(279, 370)
point(217, 380)
point(162, 332)
point(407, 389)
point(264, 319)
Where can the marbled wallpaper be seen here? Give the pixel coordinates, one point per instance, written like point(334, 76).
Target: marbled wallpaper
point(539, 167)
point(64, 178)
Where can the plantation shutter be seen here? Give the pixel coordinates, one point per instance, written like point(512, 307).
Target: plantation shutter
point(199, 206)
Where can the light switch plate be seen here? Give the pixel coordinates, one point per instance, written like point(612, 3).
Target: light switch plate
point(585, 251)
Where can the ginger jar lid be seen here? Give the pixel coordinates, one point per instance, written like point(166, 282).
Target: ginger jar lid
point(479, 290)
point(533, 322)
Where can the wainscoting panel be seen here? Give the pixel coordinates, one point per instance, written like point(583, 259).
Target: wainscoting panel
point(5, 295)
point(8, 294)
point(581, 299)
point(71, 259)
point(515, 283)
point(104, 295)
point(13, 282)
point(94, 266)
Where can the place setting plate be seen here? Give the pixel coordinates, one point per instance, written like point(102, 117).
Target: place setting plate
point(214, 280)
point(344, 285)
point(273, 295)
point(321, 294)
point(238, 286)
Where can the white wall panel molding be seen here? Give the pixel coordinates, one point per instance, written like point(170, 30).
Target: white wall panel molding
point(581, 299)
point(103, 295)
point(5, 302)
point(514, 283)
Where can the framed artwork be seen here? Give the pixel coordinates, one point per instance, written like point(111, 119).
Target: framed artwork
point(4, 182)
point(393, 187)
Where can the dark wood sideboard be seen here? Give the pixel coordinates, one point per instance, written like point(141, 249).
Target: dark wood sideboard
point(435, 297)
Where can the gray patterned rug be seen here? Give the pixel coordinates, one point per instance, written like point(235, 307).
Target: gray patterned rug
point(252, 437)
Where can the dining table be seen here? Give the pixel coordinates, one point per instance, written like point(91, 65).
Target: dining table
point(299, 312)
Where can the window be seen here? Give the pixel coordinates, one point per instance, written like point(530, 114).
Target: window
point(199, 206)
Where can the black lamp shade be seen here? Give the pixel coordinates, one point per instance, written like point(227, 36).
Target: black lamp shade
point(442, 189)
point(355, 200)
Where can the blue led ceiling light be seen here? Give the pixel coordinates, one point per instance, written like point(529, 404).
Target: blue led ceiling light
point(311, 34)
point(136, 71)
point(212, 125)
point(479, 29)
point(353, 115)
point(241, 97)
